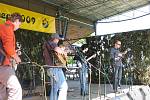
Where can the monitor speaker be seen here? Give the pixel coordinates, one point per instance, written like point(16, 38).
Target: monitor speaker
point(135, 95)
point(145, 91)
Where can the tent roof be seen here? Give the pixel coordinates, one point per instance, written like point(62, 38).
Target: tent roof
point(97, 9)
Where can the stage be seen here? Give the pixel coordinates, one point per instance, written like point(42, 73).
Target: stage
point(102, 92)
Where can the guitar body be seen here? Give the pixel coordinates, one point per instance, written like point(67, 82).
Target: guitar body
point(59, 59)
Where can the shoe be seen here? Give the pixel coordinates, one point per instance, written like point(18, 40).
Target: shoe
point(70, 90)
point(83, 93)
point(117, 92)
point(119, 87)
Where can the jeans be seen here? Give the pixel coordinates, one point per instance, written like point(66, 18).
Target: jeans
point(117, 71)
point(10, 87)
point(59, 85)
point(83, 77)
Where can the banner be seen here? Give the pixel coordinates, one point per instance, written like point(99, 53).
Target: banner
point(31, 20)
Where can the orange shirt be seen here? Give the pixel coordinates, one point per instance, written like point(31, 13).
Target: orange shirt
point(8, 39)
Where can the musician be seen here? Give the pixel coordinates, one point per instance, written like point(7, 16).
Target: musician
point(116, 59)
point(83, 72)
point(10, 87)
point(59, 85)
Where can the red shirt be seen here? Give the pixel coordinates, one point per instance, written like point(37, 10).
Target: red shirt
point(8, 39)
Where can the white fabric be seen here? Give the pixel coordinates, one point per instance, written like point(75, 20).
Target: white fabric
point(10, 87)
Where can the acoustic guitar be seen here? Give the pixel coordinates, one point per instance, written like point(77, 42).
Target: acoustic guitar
point(60, 59)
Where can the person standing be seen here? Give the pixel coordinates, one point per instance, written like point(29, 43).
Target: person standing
point(59, 85)
point(80, 58)
point(10, 87)
point(116, 59)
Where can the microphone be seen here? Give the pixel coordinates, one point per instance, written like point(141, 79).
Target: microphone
point(128, 49)
point(129, 53)
point(66, 39)
point(23, 63)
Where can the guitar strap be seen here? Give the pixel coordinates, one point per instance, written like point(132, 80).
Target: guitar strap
point(2, 53)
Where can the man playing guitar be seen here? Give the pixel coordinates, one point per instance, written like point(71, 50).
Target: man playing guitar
point(116, 62)
point(81, 59)
point(58, 82)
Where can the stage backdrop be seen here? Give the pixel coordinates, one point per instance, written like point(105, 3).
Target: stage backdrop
point(31, 20)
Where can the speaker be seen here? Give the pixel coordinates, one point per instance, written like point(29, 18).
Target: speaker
point(131, 95)
point(135, 95)
point(142, 93)
point(145, 91)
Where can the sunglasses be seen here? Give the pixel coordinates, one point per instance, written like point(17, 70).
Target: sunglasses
point(118, 44)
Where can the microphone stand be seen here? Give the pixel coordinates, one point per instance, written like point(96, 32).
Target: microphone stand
point(130, 76)
point(80, 55)
point(85, 63)
point(42, 70)
point(32, 70)
point(43, 78)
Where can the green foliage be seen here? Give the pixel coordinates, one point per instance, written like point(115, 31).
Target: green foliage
point(31, 43)
point(31, 47)
point(138, 41)
point(70, 60)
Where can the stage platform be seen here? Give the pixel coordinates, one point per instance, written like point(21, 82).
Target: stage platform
point(98, 92)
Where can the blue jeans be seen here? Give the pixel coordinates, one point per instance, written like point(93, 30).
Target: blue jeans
point(83, 77)
point(117, 71)
point(59, 85)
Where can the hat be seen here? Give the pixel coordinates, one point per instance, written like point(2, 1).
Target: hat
point(56, 35)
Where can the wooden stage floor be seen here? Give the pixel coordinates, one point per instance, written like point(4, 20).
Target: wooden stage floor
point(98, 92)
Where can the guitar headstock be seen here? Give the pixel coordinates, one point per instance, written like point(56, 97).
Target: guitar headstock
point(18, 45)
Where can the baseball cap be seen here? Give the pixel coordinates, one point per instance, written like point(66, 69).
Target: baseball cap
point(57, 36)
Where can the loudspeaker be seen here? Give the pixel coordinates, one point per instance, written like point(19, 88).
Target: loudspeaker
point(135, 95)
point(145, 91)
point(142, 93)
point(131, 95)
